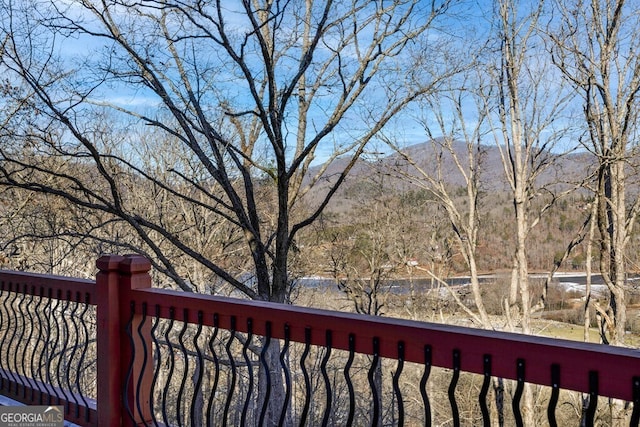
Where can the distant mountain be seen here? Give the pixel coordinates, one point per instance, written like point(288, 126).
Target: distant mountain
point(434, 158)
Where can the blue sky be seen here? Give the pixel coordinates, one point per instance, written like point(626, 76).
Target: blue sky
point(405, 129)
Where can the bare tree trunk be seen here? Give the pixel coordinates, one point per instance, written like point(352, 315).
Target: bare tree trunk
point(589, 255)
point(498, 389)
point(271, 388)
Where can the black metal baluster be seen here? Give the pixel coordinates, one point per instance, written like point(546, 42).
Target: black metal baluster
point(167, 383)
point(26, 341)
point(247, 360)
point(327, 380)
point(515, 404)
point(396, 385)
point(74, 350)
point(216, 363)
point(128, 377)
point(156, 368)
point(62, 360)
point(44, 360)
point(232, 364)
point(347, 377)
point(482, 398)
point(284, 363)
point(593, 398)
point(18, 351)
point(19, 331)
point(199, 369)
point(423, 385)
point(35, 370)
point(372, 381)
point(555, 393)
point(11, 313)
point(267, 373)
point(54, 349)
point(185, 367)
point(3, 318)
point(452, 388)
point(307, 381)
point(30, 345)
point(145, 357)
point(83, 353)
point(635, 415)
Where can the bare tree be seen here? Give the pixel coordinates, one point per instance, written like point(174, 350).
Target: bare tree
point(525, 108)
point(595, 48)
point(458, 151)
point(528, 129)
point(248, 95)
point(368, 251)
point(242, 97)
point(371, 246)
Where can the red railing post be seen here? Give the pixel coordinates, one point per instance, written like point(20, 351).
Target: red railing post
point(134, 274)
point(110, 375)
point(117, 275)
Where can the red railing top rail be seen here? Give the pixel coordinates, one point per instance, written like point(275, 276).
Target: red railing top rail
point(617, 366)
point(49, 285)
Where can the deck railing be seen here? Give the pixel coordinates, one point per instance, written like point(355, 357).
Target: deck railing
point(48, 342)
point(171, 358)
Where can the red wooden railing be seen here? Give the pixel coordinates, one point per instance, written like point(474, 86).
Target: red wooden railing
point(123, 295)
point(29, 308)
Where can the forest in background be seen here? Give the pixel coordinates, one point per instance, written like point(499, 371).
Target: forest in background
point(378, 225)
point(241, 146)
